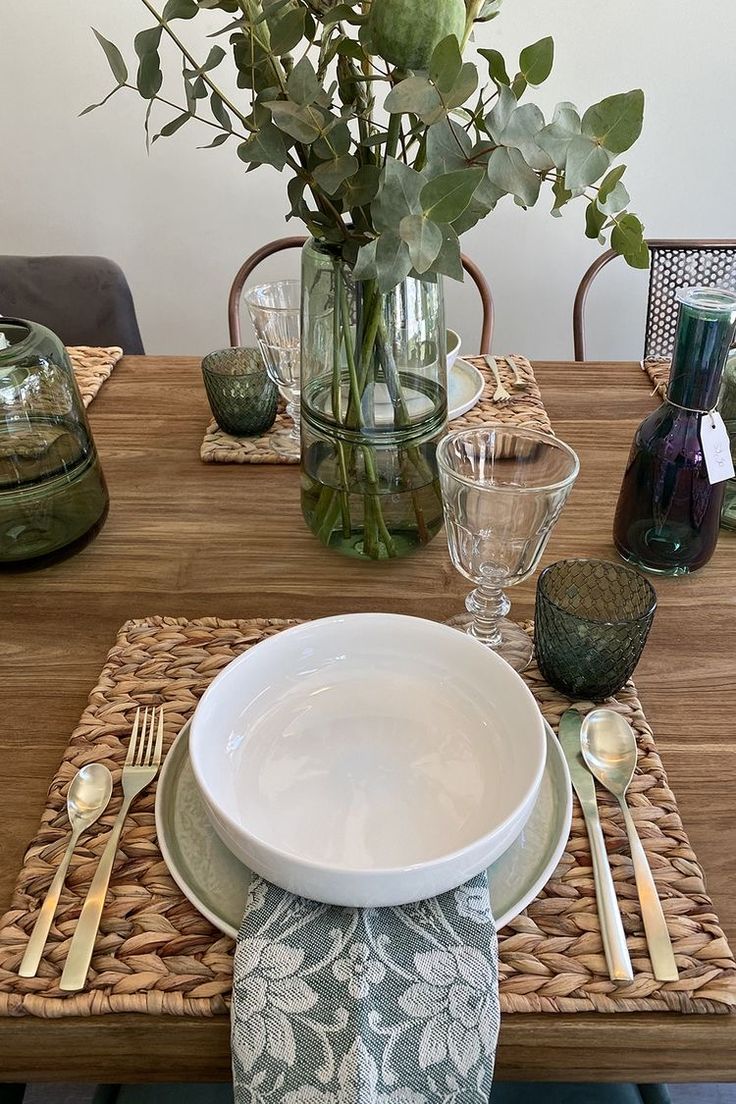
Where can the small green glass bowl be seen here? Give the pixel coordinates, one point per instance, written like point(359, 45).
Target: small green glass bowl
point(242, 397)
point(591, 623)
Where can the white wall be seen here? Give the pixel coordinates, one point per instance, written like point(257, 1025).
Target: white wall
point(180, 221)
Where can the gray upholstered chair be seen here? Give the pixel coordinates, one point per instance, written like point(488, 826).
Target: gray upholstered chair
point(84, 300)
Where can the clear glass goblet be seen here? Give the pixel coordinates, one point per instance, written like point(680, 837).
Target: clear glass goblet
point(275, 310)
point(503, 489)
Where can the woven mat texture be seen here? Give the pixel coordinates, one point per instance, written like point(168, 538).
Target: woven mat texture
point(659, 373)
point(157, 954)
point(92, 367)
point(525, 407)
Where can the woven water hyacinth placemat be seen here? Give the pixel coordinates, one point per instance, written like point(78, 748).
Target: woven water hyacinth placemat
point(157, 954)
point(92, 366)
point(525, 407)
point(659, 373)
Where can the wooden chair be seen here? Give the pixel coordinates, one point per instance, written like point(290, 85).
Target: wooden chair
point(84, 300)
point(674, 264)
point(236, 291)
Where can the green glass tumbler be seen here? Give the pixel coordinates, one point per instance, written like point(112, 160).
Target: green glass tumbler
point(591, 623)
point(242, 397)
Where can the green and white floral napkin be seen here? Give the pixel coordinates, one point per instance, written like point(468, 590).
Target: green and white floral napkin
point(365, 1006)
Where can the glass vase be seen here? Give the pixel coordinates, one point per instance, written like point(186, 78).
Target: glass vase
point(374, 407)
point(668, 511)
point(53, 497)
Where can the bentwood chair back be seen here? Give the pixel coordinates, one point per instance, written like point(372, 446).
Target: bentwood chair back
point(296, 242)
point(674, 264)
point(84, 300)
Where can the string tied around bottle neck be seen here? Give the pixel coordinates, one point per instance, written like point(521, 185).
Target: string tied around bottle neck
point(692, 409)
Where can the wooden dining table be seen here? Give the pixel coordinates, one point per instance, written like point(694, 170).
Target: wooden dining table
point(189, 539)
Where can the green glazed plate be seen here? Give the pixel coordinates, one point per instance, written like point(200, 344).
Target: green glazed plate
point(216, 882)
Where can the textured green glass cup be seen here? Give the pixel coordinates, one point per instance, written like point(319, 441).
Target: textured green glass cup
point(242, 398)
point(591, 623)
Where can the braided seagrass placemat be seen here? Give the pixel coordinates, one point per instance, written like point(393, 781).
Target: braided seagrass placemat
point(157, 954)
point(524, 407)
point(92, 366)
point(659, 373)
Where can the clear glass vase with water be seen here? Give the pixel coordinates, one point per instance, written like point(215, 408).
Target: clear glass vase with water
point(53, 497)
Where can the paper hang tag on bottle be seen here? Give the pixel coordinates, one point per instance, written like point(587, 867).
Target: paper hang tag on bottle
point(716, 447)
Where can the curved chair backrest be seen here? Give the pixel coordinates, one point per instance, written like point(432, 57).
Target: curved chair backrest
point(296, 242)
point(674, 264)
point(84, 300)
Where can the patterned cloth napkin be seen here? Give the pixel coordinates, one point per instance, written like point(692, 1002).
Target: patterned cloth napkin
point(365, 1006)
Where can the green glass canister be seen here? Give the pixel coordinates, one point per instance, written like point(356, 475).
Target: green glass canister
point(373, 408)
point(53, 497)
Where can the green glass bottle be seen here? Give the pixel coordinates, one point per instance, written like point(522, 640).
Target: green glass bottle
point(668, 511)
point(53, 497)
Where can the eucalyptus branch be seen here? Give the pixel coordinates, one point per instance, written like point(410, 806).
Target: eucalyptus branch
point(205, 77)
point(472, 8)
point(186, 111)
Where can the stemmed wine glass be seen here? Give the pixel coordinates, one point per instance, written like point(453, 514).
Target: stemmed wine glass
point(503, 489)
point(275, 310)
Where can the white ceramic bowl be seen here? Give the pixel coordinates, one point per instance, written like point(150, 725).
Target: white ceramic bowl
point(453, 348)
point(370, 759)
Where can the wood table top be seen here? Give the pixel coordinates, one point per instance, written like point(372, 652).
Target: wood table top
point(189, 539)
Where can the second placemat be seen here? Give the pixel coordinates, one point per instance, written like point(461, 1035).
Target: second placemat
point(157, 954)
point(92, 366)
point(524, 407)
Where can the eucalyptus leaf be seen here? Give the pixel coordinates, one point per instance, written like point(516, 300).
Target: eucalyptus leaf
point(265, 147)
point(424, 239)
point(447, 261)
point(446, 63)
point(302, 85)
point(299, 122)
point(331, 174)
point(114, 59)
point(616, 199)
point(216, 141)
point(498, 119)
point(561, 194)
point(522, 131)
point(359, 189)
point(444, 198)
point(496, 66)
point(94, 106)
point(335, 141)
point(219, 111)
point(489, 9)
point(448, 147)
point(555, 138)
point(585, 163)
point(535, 61)
point(463, 88)
point(365, 265)
point(288, 31)
point(149, 77)
point(417, 95)
point(397, 196)
point(615, 122)
point(342, 13)
point(595, 220)
point(393, 262)
point(508, 170)
point(627, 238)
point(212, 60)
point(485, 198)
point(609, 182)
point(518, 85)
point(180, 9)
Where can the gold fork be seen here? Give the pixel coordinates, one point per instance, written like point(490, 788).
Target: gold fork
point(141, 765)
point(500, 395)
